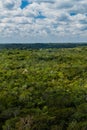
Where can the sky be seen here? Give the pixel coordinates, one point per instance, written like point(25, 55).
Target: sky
point(43, 21)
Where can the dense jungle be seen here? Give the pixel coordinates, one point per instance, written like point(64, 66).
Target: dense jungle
point(43, 89)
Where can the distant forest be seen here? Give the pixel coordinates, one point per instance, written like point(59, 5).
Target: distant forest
point(40, 45)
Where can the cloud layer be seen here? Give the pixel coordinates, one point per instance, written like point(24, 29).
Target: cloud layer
point(40, 21)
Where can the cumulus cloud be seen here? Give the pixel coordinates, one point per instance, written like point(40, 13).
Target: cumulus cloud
point(46, 19)
point(10, 4)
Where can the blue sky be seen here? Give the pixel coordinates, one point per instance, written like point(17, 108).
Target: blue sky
point(24, 3)
point(31, 21)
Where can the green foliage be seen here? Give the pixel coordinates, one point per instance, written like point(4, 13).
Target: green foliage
point(43, 89)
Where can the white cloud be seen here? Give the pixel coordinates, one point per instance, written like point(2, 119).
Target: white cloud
point(47, 19)
point(11, 4)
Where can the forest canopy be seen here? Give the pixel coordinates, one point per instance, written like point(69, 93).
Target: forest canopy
point(43, 89)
